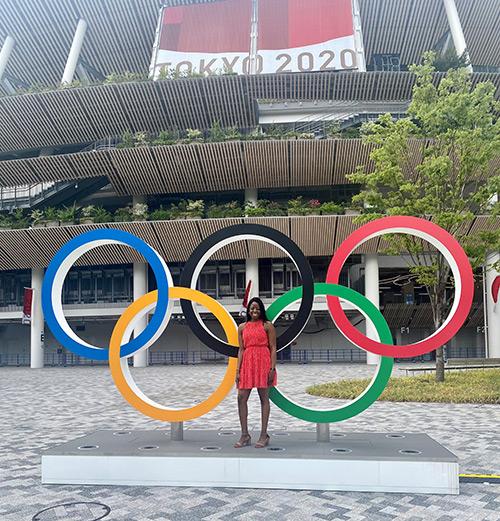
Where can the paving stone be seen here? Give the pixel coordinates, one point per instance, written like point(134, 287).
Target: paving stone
point(42, 408)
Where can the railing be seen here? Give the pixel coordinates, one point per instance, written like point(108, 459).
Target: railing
point(25, 196)
point(450, 353)
point(296, 356)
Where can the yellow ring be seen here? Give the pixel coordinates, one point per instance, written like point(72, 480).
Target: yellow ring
point(119, 366)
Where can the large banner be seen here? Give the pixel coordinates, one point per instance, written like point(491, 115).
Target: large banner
point(255, 36)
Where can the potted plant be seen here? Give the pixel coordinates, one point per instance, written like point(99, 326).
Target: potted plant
point(67, 214)
point(178, 211)
point(216, 133)
point(127, 140)
point(51, 216)
point(195, 209)
point(140, 212)
point(333, 130)
point(5, 222)
point(231, 209)
point(102, 216)
point(166, 137)
point(314, 206)
point(194, 135)
point(256, 134)
point(160, 214)
point(37, 219)
point(141, 139)
point(331, 208)
point(232, 134)
point(262, 208)
point(275, 208)
point(87, 214)
point(123, 214)
point(297, 206)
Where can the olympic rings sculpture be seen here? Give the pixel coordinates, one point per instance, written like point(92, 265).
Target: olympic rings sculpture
point(160, 304)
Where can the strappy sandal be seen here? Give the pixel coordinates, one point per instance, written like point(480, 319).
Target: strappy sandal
point(239, 444)
point(262, 444)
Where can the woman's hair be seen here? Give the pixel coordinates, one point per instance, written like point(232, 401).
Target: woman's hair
point(259, 302)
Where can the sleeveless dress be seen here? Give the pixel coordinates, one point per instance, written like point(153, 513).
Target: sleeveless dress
point(256, 362)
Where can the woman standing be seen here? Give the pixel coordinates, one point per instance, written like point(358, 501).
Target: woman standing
point(256, 368)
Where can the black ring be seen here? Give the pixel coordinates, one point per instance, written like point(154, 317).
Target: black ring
point(257, 230)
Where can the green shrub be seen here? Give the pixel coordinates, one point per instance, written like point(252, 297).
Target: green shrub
point(67, 214)
point(231, 209)
point(101, 215)
point(160, 214)
point(123, 214)
point(330, 208)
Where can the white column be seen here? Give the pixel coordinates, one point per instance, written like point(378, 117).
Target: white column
point(492, 310)
point(74, 52)
point(7, 47)
point(37, 320)
point(358, 37)
point(372, 294)
point(456, 30)
point(140, 289)
point(254, 28)
point(252, 265)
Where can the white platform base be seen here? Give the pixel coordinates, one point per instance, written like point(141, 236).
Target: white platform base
point(409, 463)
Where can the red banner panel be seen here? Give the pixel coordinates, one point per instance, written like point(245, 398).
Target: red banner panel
point(27, 305)
point(292, 36)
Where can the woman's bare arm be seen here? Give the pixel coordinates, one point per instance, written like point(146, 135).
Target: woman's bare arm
point(240, 351)
point(271, 335)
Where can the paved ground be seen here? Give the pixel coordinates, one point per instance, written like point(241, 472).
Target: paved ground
point(46, 407)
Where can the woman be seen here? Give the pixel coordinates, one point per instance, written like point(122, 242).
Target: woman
point(256, 368)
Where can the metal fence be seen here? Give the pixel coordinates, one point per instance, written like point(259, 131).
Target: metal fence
point(295, 356)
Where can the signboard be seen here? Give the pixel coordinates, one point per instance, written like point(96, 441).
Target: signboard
point(305, 35)
point(255, 36)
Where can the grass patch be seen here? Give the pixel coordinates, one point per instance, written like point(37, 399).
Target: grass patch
point(471, 386)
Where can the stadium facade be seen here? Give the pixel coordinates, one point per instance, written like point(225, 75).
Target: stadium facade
point(88, 140)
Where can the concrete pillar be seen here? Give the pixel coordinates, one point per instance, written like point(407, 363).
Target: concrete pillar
point(323, 432)
point(492, 309)
point(177, 431)
point(7, 47)
point(456, 30)
point(252, 265)
point(140, 288)
point(74, 52)
point(5, 52)
point(37, 321)
point(372, 294)
point(251, 195)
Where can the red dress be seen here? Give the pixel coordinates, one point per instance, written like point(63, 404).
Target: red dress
point(256, 363)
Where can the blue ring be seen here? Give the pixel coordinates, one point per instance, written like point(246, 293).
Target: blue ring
point(156, 265)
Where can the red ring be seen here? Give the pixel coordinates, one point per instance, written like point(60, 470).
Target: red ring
point(430, 343)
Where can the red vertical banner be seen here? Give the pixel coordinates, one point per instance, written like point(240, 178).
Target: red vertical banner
point(27, 305)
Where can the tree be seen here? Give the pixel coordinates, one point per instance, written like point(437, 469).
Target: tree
point(438, 162)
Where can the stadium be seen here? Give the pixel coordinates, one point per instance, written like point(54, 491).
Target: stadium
point(150, 119)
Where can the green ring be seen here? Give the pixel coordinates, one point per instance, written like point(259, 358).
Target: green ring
point(384, 368)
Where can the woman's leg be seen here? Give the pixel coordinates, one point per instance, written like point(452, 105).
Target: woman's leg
point(265, 410)
point(243, 395)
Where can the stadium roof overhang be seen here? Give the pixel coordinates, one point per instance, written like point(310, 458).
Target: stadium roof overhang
point(121, 33)
point(315, 236)
point(208, 167)
point(86, 115)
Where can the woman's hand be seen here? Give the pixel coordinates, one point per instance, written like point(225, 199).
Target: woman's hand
point(237, 379)
point(270, 377)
